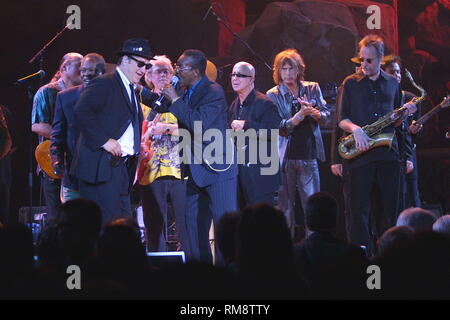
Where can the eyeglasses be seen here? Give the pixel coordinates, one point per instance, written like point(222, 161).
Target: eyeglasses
point(239, 75)
point(140, 63)
point(182, 68)
point(368, 60)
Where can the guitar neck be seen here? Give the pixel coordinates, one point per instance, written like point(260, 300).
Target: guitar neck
point(429, 114)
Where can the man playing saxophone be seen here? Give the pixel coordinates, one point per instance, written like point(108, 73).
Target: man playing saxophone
point(368, 95)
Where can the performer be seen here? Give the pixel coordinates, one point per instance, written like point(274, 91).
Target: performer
point(254, 110)
point(392, 66)
point(65, 134)
point(366, 96)
point(42, 118)
point(302, 108)
point(211, 187)
point(109, 120)
point(160, 178)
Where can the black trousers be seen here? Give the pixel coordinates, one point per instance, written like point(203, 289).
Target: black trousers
point(362, 180)
point(203, 205)
point(52, 189)
point(155, 197)
point(248, 196)
point(412, 197)
point(113, 196)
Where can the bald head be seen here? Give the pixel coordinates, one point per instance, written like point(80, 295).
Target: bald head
point(70, 69)
point(243, 79)
point(244, 68)
point(69, 58)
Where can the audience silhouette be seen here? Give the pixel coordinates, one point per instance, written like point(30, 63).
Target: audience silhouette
point(261, 261)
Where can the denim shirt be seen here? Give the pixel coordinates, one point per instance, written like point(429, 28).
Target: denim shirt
point(282, 97)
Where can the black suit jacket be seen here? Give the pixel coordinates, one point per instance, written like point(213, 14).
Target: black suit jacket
point(64, 132)
point(207, 106)
point(103, 111)
point(259, 112)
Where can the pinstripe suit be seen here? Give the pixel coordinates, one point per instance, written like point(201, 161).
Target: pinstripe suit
point(211, 188)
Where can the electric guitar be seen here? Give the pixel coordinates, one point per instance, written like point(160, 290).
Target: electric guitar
point(444, 104)
point(42, 155)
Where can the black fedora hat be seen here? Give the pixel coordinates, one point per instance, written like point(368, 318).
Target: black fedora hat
point(136, 47)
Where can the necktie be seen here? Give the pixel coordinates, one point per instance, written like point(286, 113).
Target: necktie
point(186, 96)
point(135, 121)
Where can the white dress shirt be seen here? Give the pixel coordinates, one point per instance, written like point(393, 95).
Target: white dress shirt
point(126, 141)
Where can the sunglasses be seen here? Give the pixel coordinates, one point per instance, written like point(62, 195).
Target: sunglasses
point(240, 75)
point(368, 60)
point(140, 63)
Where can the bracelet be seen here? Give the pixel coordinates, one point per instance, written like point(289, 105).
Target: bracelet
point(299, 118)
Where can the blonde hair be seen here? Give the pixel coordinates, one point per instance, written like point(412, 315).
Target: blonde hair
point(292, 58)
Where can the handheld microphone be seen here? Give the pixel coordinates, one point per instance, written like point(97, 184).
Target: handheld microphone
point(173, 83)
point(38, 74)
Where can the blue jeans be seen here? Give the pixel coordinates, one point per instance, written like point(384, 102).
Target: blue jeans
point(301, 175)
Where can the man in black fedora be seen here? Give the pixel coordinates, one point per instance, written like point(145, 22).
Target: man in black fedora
point(109, 118)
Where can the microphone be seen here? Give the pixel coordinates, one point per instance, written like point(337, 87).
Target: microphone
point(38, 74)
point(173, 83)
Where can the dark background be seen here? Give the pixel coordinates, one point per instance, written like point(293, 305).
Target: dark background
point(175, 25)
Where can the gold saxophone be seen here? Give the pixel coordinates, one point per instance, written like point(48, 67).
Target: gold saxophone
point(347, 148)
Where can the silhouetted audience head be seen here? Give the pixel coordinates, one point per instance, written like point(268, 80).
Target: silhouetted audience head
point(442, 225)
point(417, 218)
point(416, 269)
point(48, 249)
point(130, 222)
point(225, 234)
point(120, 247)
point(394, 236)
point(79, 224)
point(264, 255)
point(263, 240)
point(321, 212)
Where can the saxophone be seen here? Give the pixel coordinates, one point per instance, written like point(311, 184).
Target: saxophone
point(347, 147)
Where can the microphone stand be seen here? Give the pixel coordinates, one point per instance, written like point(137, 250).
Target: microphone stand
point(40, 55)
point(257, 55)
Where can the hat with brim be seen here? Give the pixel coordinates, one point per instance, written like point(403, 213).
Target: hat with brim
point(355, 60)
point(136, 47)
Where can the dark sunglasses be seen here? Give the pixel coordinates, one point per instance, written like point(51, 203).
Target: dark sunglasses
point(140, 63)
point(239, 75)
point(369, 60)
